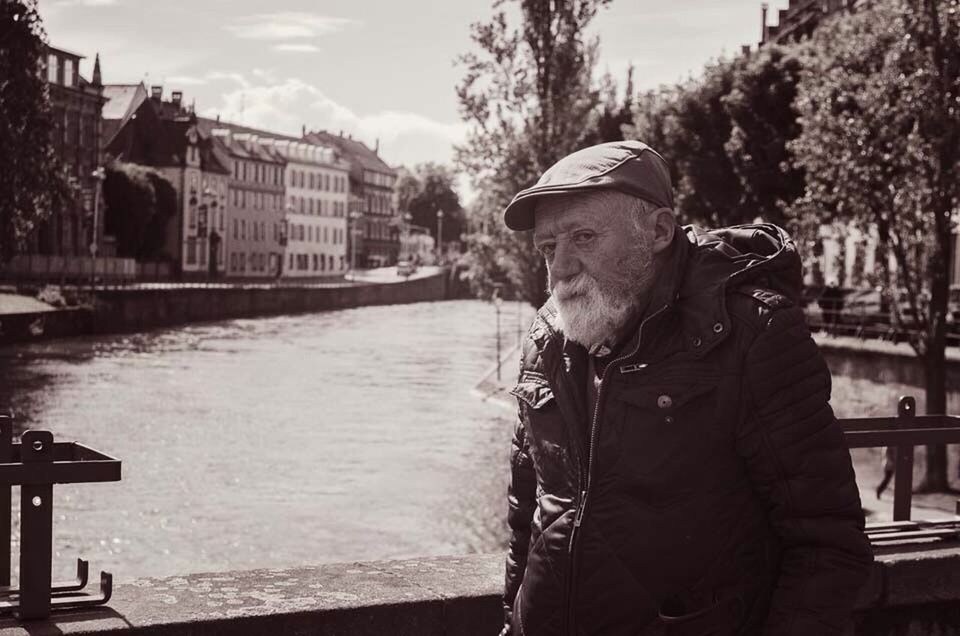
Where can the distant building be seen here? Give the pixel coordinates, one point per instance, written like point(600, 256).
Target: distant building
point(799, 19)
point(255, 206)
point(76, 106)
point(165, 135)
point(317, 192)
point(371, 202)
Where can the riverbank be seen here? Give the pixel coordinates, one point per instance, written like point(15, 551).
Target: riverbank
point(116, 309)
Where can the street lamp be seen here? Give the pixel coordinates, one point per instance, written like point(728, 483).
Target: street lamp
point(439, 234)
point(497, 302)
point(99, 175)
point(355, 216)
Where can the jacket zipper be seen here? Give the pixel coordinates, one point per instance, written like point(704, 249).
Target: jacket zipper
point(585, 490)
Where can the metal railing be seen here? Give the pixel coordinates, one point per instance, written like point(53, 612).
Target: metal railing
point(903, 433)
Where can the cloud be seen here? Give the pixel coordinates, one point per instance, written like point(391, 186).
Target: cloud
point(286, 25)
point(83, 3)
point(287, 105)
point(294, 47)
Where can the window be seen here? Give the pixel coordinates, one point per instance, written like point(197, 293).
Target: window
point(191, 251)
point(325, 235)
point(52, 68)
point(331, 262)
point(233, 261)
point(235, 228)
point(243, 233)
point(311, 206)
point(316, 262)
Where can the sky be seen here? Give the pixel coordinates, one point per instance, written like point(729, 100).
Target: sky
point(381, 70)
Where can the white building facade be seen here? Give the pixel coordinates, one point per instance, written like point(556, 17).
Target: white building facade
point(317, 189)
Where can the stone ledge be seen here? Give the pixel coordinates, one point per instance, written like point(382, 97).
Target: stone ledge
point(908, 591)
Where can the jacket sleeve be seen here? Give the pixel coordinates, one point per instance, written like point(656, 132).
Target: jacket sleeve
point(799, 464)
point(521, 501)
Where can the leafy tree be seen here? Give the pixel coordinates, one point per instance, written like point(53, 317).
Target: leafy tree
point(614, 115)
point(528, 99)
point(435, 191)
point(763, 121)
point(880, 109)
point(31, 179)
point(139, 205)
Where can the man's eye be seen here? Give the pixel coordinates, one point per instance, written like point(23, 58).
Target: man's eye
point(583, 237)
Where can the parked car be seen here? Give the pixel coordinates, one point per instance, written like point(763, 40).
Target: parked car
point(406, 268)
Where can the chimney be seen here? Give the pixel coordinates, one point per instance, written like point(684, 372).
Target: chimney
point(763, 22)
point(303, 130)
point(218, 118)
point(176, 97)
point(376, 147)
point(156, 93)
point(745, 50)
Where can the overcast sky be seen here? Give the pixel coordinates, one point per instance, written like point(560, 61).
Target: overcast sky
point(375, 68)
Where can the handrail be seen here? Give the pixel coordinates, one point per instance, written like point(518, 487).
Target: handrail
point(902, 433)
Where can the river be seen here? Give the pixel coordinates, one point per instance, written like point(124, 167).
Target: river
point(276, 442)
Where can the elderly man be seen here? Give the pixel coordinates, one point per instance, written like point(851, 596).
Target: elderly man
point(676, 467)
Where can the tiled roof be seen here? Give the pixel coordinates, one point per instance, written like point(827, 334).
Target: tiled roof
point(355, 150)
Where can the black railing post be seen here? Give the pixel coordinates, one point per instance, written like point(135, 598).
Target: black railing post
point(903, 479)
point(36, 530)
point(6, 456)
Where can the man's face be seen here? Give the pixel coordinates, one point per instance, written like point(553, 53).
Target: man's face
point(599, 262)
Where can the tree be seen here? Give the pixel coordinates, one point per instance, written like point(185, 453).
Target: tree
point(32, 182)
point(139, 205)
point(434, 191)
point(763, 121)
point(528, 100)
point(614, 115)
point(881, 135)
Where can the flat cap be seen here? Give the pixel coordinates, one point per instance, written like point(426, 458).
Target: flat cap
point(631, 167)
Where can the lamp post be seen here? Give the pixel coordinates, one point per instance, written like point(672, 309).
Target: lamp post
point(99, 175)
point(497, 302)
point(440, 238)
point(355, 217)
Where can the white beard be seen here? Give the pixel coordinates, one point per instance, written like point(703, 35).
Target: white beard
point(589, 315)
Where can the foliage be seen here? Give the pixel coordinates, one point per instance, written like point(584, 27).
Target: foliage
point(614, 115)
point(428, 189)
point(31, 180)
point(763, 121)
point(724, 134)
point(528, 100)
point(879, 102)
point(139, 204)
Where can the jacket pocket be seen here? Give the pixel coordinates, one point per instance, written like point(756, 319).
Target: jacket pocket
point(666, 438)
point(719, 619)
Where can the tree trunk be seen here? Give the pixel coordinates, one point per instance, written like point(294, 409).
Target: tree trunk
point(935, 477)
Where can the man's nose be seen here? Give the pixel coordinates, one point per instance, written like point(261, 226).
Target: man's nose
point(565, 263)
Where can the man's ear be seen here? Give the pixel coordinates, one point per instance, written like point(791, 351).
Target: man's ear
point(664, 225)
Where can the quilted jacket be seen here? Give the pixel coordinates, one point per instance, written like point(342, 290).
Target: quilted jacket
point(709, 490)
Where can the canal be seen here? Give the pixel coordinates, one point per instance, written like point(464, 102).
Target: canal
point(276, 442)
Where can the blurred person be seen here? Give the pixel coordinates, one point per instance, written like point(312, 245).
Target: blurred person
point(676, 467)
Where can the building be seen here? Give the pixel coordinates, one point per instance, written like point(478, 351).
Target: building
point(317, 193)
point(254, 238)
point(165, 135)
point(799, 19)
point(371, 200)
point(74, 231)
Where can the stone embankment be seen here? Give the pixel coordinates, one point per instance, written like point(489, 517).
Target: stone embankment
point(126, 309)
point(909, 593)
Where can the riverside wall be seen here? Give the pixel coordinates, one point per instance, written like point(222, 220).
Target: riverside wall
point(118, 310)
point(909, 594)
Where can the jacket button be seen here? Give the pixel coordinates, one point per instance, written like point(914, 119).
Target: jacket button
point(697, 341)
point(717, 327)
point(668, 419)
point(664, 401)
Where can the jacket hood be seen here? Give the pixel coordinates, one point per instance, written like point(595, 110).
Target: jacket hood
point(761, 254)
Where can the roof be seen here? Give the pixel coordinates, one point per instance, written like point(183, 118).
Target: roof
point(356, 151)
point(54, 49)
point(122, 100)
